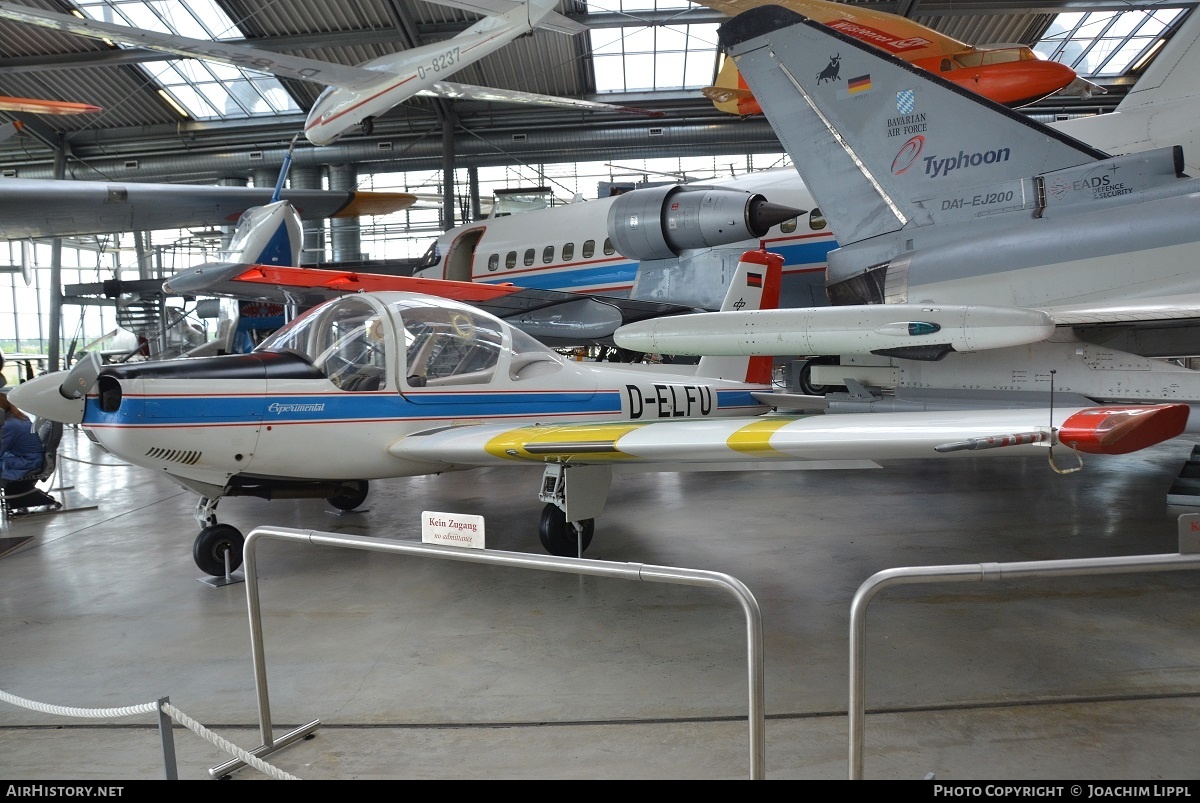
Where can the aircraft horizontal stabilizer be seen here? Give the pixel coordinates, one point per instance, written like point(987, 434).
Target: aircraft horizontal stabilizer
point(901, 330)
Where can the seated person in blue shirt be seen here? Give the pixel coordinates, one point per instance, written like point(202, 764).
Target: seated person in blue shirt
point(21, 452)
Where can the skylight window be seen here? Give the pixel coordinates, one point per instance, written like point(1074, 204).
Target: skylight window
point(640, 57)
point(1105, 43)
point(206, 90)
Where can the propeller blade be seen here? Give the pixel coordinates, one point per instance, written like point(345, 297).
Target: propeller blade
point(81, 378)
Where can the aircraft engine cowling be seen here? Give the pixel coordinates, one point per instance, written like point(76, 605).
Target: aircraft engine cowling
point(662, 222)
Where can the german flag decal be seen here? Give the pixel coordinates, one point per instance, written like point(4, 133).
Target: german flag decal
point(753, 279)
point(860, 84)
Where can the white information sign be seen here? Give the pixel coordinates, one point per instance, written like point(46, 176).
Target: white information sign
point(452, 529)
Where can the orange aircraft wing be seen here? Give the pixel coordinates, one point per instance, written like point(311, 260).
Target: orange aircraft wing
point(35, 106)
point(896, 35)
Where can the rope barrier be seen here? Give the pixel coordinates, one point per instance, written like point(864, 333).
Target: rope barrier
point(87, 713)
point(152, 708)
point(90, 463)
point(229, 747)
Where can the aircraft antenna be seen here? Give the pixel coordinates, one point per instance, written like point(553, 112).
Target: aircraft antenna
point(1052, 373)
point(283, 170)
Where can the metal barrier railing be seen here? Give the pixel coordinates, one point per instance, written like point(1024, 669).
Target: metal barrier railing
point(973, 572)
point(548, 563)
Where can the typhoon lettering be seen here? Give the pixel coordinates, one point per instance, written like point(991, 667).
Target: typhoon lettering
point(935, 167)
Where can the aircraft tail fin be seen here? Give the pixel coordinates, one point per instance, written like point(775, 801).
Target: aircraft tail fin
point(271, 234)
point(1172, 74)
point(729, 93)
point(755, 285)
point(10, 130)
point(558, 23)
point(881, 143)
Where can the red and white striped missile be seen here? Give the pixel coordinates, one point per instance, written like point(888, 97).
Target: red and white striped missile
point(858, 329)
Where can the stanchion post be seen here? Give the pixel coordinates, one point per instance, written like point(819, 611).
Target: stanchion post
point(167, 735)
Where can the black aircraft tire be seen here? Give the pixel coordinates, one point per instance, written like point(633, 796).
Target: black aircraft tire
point(210, 546)
point(558, 536)
point(805, 378)
point(348, 500)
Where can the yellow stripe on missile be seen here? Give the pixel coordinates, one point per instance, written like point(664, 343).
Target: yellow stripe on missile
point(595, 442)
point(755, 438)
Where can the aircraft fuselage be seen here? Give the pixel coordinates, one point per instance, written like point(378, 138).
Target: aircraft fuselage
point(328, 395)
point(569, 248)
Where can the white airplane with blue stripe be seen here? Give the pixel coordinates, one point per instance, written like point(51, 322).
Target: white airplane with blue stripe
point(400, 384)
point(676, 244)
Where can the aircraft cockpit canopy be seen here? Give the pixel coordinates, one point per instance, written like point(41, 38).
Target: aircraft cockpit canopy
point(354, 341)
point(999, 54)
point(432, 257)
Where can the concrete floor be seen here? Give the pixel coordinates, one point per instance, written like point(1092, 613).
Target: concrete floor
point(433, 669)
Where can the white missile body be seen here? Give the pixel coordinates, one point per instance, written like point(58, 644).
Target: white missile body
point(838, 330)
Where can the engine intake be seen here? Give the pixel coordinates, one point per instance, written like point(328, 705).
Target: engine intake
point(662, 222)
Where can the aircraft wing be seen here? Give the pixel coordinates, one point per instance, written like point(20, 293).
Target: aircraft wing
point(889, 32)
point(551, 21)
point(1174, 307)
point(37, 106)
point(453, 91)
point(60, 208)
point(555, 317)
point(234, 53)
point(1112, 429)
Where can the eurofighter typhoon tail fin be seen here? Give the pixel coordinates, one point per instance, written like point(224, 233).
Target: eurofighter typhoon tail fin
point(880, 143)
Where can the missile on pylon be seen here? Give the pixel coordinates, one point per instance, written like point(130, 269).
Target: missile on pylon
point(912, 331)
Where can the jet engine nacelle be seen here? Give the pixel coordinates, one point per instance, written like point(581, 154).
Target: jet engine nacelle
point(662, 222)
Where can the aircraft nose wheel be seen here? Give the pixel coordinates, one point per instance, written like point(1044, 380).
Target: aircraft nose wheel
point(211, 544)
point(350, 498)
point(558, 535)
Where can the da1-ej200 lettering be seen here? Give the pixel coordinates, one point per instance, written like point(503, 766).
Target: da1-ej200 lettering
point(978, 200)
point(669, 401)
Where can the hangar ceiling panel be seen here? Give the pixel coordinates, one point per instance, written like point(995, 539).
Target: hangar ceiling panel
point(36, 62)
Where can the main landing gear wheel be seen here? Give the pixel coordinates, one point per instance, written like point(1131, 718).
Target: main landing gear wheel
point(211, 545)
point(805, 379)
point(558, 535)
point(350, 499)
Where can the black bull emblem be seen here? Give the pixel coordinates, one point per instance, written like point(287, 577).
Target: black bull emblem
point(830, 73)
